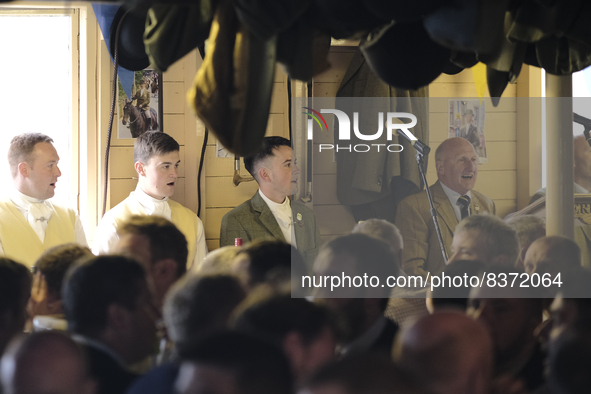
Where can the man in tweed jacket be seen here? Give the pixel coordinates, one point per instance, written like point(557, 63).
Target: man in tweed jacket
point(270, 213)
point(457, 170)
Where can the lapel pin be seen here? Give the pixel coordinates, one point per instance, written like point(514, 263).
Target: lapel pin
point(477, 208)
point(299, 216)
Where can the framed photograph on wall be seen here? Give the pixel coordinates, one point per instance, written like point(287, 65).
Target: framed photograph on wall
point(143, 111)
point(466, 120)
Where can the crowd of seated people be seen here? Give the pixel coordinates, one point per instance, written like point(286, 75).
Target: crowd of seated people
point(137, 321)
point(366, 313)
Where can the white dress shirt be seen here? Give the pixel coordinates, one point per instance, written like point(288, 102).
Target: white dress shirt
point(282, 213)
point(453, 196)
point(37, 213)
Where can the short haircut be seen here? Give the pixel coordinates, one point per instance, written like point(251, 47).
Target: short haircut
point(561, 251)
point(165, 239)
point(15, 288)
point(500, 239)
point(447, 144)
point(257, 366)
point(383, 230)
point(219, 261)
point(153, 143)
point(95, 285)
point(268, 258)
point(197, 305)
point(24, 347)
point(445, 297)
point(528, 228)
point(55, 262)
point(276, 316)
point(21, 149)
point(367, 373)
point(265, 151)
point(372, 257)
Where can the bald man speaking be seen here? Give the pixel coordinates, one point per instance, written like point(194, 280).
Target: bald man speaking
point(456, 162)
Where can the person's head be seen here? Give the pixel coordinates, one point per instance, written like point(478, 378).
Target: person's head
point(344, 259)
point(107, 299)
point(262, 260)
point(273, 169)
point(361, 374)
point(219, 261)
point(52, 267)
point(158, 245)
point(198, 305)
point(33, 164)
point(582, 160)
point(572, 305)
point(456, 162)
point(511, 315)
point(448, 352)
point(569, 362)
point(383, 230)
point(528, 229)
point(15, 289)
point(234, 363)
point(485, 238)
point(157, 159)
point(302, 329)
point(551, 255)
point(450, 295)
point(46, 362)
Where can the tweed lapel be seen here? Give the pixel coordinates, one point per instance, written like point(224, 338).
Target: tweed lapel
point(299, 226)
point(476, 206)
point(443, 207)
point(266, 216)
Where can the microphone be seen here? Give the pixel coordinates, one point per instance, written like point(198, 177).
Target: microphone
point(419, 145)
point(586, 122)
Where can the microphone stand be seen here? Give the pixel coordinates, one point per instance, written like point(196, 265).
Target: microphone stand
point(422, 151)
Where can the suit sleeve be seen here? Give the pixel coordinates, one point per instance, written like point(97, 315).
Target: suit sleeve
point(230, 230)
point(415, 235)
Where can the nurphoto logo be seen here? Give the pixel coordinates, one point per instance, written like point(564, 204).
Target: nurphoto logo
point(345, 129)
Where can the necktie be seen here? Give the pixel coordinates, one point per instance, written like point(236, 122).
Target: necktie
point(39, 214)
point(284, 215)
point(464, 203)
point(161, 208)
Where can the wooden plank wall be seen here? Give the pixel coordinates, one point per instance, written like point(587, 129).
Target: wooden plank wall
point(497, 178)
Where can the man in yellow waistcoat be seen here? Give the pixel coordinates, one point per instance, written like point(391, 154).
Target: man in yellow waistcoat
point(29, 222)
point(157, 159)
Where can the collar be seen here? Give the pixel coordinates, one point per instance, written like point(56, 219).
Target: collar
point(581, 189)
point(283, 207)
point(364, 342)
point(149, 203)
point(22, 200)
point(454, 195)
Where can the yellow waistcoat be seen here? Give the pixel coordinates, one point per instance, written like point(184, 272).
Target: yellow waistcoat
point(183, 218)
point(22, 244)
